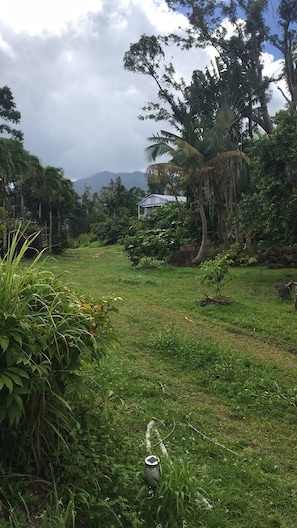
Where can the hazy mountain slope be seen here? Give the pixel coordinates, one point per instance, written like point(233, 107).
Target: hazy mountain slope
point(98, 180)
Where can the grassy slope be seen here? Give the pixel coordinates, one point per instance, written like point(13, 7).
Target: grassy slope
point(243, 408)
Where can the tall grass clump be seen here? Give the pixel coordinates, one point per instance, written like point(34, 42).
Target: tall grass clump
point(46, 331)
point(178, 500)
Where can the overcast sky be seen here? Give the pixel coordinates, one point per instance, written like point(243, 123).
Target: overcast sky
point(63, 60)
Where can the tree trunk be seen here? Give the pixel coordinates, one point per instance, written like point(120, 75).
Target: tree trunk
point(50, 229)
point(23, 207)
point(39, 214)
point(202, 250)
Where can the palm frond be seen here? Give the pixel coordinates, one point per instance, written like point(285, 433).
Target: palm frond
point(227, 156)
point(162, 168)
point(188, 154)
point(158, 149)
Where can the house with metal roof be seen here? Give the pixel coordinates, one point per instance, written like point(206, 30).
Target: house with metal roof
point(148, 204)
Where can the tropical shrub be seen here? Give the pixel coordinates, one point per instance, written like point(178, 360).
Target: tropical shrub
point(111, 230)
point(46, 331)
point(158, 234)
point(215, 272)
point(153, 243)
point(238, 255)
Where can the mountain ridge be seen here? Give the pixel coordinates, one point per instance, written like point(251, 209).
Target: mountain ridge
point(100, 179)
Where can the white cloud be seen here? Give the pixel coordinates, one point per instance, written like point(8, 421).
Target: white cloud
point(273, 69)
point(35, 16)
point(63, 61)
point(5, 47)
point(162, 18)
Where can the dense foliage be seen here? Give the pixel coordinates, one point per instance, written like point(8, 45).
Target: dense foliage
point(231, 95)
point(157, 235)
point(109, 213)
point(46, 333)
point(268, 209)
point(28, 191)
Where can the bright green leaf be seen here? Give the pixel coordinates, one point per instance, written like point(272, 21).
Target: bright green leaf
point(7, 382)
point(4, 342)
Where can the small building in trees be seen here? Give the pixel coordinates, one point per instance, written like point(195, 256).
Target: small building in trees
point(148, 204)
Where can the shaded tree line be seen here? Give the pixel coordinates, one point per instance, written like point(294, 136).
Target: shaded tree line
point(42, 199)
point(36, 197)
point(107, 215)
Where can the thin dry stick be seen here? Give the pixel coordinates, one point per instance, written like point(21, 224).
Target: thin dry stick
point(162, 446)
point(210, 439)
point(164, 439)
point(162, 387)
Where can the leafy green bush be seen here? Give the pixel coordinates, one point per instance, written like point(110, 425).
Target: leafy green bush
point(158, 234)
point(45, 333)
point(111, 230)
point(238, 255)
point(83, 240)
point(215, 272)
point(154, 244)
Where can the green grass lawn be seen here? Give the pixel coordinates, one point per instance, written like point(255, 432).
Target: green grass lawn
point(220, 381)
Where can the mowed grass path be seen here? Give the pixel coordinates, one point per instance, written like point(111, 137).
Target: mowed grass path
point(212, 413)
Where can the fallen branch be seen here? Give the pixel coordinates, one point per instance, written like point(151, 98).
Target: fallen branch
point(215, 300)
point(163, 440)
point(162, 387)
point(190, 320)
point(285, 290)
point(210, 439)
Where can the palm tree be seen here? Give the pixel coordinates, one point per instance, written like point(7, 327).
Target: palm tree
point(53, 188)
point(186, 164)
point(37, 185)
point(207, 163)
point(8, 148)
point(68, 202)
point(11, 162)
point(22, 179)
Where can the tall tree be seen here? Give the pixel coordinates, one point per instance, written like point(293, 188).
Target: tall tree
point(233, 75)
point(250, 35)
point(22, 179)
point(7, 148)
point(148, 58)
point(68, 206)
point(206, 164)
point(237, 29)
point(286, 42)
point(36, 188)
point(268, 212)
point(9, 115)
point(53, 189)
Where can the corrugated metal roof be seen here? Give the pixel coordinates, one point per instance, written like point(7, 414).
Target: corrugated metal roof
point(162, 198)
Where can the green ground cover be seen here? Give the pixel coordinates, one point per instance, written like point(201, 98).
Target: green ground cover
point(220, 380)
